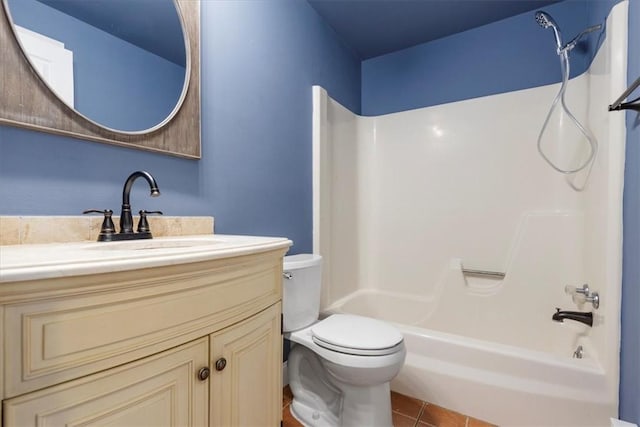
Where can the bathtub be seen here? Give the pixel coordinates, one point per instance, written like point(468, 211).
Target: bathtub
point(503, 384)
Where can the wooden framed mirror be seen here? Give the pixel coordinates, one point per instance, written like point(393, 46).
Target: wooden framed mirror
point(30, 100)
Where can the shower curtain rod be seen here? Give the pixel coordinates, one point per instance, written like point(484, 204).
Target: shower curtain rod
point(631, 105)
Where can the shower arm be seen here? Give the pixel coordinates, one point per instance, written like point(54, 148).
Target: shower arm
point(631, 105)
point(569, 46)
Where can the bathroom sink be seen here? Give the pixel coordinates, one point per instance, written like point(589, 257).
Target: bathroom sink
point(150, 244)
point(46, 261)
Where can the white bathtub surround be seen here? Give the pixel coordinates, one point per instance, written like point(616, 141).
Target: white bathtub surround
point(619, 423)
point(403, 201)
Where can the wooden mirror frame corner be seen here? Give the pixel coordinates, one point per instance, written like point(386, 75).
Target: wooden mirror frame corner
point(27, 102)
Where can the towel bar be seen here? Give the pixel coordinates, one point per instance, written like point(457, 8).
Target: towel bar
point(483, 273)
point(631, 105)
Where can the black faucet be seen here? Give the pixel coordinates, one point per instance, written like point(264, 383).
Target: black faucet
point(108, 232)
point(126, 220)
point(578, 316)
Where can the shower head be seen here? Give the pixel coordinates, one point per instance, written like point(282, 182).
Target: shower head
point(546, 21)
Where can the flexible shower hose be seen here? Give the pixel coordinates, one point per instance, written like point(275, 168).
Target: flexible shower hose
point(593, 143)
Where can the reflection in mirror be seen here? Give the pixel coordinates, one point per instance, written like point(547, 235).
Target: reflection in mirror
point(123, 64)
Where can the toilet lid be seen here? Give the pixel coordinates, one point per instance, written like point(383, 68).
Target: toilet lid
point(359, 335)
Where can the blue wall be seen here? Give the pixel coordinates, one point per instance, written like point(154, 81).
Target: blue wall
point(259, 61)
point(137, 89)
point(630, 355)
point(512, 54)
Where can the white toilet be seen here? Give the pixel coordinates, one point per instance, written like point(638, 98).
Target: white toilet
point(339, 367)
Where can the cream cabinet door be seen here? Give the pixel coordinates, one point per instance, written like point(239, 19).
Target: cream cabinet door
point(246, 372)
point(160, 390)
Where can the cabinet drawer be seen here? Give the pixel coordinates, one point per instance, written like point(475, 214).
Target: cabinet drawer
point(61, 338)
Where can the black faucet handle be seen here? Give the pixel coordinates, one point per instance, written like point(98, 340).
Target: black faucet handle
point(108, 228)
point(143, 224)
point(100, 211)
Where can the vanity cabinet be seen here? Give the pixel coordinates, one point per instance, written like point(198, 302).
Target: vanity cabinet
point(133, 347)
point(247, 391)
point(159, 390)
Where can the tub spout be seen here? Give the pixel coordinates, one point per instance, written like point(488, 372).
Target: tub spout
point(578, 316)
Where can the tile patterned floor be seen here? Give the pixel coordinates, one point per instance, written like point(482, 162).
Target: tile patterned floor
point(407, 412)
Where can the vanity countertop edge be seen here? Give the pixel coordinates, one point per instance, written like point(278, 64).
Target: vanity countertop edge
point(57, 260)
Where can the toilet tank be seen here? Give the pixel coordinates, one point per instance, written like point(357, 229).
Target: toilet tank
point(301, 290)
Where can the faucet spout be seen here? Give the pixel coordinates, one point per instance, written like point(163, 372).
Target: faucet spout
point(578, 316)
point(126, 219)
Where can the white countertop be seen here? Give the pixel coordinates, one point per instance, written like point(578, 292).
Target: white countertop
point(44, 261)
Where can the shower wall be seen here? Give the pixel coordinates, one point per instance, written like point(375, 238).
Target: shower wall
point(403, 201)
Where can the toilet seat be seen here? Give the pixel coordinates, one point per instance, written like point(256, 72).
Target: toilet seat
point(356, 335)
point(358, 352)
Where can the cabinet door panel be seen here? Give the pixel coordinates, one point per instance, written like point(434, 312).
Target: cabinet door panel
point(161, 390)
point(248, 391)
point(58, 339)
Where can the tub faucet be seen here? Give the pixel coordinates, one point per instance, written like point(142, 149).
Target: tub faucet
point(126, 220)
point(578, 316)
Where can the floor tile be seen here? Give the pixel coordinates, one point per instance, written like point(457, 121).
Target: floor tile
point(287, 396)
point(288, 419)
point(472, 422)
point(406, 405)
point(407, 412)
point(440, 417)
point(400, 420)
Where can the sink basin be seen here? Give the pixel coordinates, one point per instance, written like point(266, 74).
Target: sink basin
point(149, 244)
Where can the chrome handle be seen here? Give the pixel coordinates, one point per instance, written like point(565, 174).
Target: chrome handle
point(578, 294)
point(287, 275)
point(594, 299)
point(203, 373)
point(583, 294)
point(571, 290)
point(578, 353)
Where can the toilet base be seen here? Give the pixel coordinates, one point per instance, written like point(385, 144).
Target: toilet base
point(312, 417)
point(322, 400)
point(366, 407)
point(371, 409)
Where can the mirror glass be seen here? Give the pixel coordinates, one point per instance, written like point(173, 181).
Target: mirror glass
point(122, 64)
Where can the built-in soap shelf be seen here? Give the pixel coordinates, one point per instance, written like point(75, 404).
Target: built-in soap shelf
point(486, 273)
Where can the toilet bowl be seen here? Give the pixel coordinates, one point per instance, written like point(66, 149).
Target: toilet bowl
point(339, 367)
